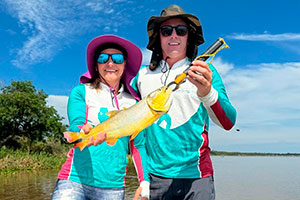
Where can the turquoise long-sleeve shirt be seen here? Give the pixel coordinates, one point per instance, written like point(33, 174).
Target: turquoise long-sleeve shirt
point(178, 143)
point(101, 166)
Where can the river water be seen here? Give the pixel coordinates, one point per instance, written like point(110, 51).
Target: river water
point(236, 178)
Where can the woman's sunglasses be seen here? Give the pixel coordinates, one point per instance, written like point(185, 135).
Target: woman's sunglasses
point(116, 58)
point(167, 30)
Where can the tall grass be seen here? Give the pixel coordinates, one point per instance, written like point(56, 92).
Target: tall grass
point(13, 160)
point(50, 154)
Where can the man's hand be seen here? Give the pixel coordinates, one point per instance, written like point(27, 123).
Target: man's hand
point(201, 76)
point(99, 139)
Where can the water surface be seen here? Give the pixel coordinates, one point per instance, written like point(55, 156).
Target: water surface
point(236, 178)
point(257, 177)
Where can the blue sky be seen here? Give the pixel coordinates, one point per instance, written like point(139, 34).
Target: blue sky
point(45, 42)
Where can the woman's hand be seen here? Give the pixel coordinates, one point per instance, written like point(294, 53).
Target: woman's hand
point(99, 139)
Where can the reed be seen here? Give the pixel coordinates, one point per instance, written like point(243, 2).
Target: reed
point(14, 160)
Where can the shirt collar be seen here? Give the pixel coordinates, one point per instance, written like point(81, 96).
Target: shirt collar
point(106, 87)
point(179, 63)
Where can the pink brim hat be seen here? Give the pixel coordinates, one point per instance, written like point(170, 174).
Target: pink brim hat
point(133, 63)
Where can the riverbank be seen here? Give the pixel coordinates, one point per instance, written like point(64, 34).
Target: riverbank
point(16, 160)
point(224, 153)
point(12, 161)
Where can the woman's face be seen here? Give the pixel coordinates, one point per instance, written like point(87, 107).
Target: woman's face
point(110, 72)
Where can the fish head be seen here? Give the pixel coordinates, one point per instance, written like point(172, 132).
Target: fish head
point(160, 100)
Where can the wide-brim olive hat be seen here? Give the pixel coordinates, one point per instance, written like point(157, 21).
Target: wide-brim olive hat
point(173, 11)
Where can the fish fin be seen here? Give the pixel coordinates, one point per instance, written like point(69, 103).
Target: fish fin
point(111, 142)
point(81, 144)
point(77, 138)
point(134, 135)
point(112, 113)
point(73, 136)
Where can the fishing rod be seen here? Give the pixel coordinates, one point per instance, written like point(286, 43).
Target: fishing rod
point(210, 51)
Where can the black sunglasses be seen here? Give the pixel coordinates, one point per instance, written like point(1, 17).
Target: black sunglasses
point(167, 30)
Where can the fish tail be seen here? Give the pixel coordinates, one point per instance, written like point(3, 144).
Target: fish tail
point(79, 139)
point(81, 144)
point(72, 137)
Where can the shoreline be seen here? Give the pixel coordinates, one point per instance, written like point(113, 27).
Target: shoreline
point(225, 153)
point(14, 161)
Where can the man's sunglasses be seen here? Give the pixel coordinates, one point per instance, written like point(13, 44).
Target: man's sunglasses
point(167, 30)
point(116, 58)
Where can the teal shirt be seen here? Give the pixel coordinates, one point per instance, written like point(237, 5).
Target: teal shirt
point(102, 165)
point(178, 144)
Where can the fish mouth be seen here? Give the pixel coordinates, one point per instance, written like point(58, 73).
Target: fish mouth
point(160, 100)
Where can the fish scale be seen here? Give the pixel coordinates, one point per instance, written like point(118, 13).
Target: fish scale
point(128, 122)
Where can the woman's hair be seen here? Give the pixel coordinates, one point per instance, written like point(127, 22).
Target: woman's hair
point(95, 83)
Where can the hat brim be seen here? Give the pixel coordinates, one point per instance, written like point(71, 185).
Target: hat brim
point(155, 21)
point(134, 54)
point(133, 62)
point(160, 19)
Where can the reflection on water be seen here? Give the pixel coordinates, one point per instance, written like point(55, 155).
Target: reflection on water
point(36, 185)
point(236, 178)
point(257, 177)
point(28, 185)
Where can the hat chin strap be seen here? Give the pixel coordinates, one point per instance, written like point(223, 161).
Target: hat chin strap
point(155, 59)
point(112, 90)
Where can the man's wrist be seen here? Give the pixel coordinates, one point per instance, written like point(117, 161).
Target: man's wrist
point(210, 98)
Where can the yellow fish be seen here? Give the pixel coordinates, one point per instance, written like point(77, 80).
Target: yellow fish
point(128, 122)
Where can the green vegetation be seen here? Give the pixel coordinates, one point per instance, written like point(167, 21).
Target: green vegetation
point(53, 154)
point(24, 113)
point(31, 132)
point(12, 161)
point(49, 155)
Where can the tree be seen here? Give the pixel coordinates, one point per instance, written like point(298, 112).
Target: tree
point(24, 112)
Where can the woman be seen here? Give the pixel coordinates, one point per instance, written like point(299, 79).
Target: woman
point(98, 172)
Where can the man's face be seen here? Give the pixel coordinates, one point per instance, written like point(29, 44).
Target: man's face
point(173, 46)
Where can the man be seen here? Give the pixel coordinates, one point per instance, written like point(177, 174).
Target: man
point(177, 144)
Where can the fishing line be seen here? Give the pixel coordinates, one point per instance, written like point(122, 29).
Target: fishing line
point(165, 69)
point(214, 54)
point(218, 45)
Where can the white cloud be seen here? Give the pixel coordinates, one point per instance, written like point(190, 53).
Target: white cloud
point(95, 6)
point(265, 96)
point(146, 56)
point(223, 67)
point(11, 32)
point(51, 25)
point(266, 37)
point(60, 104)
